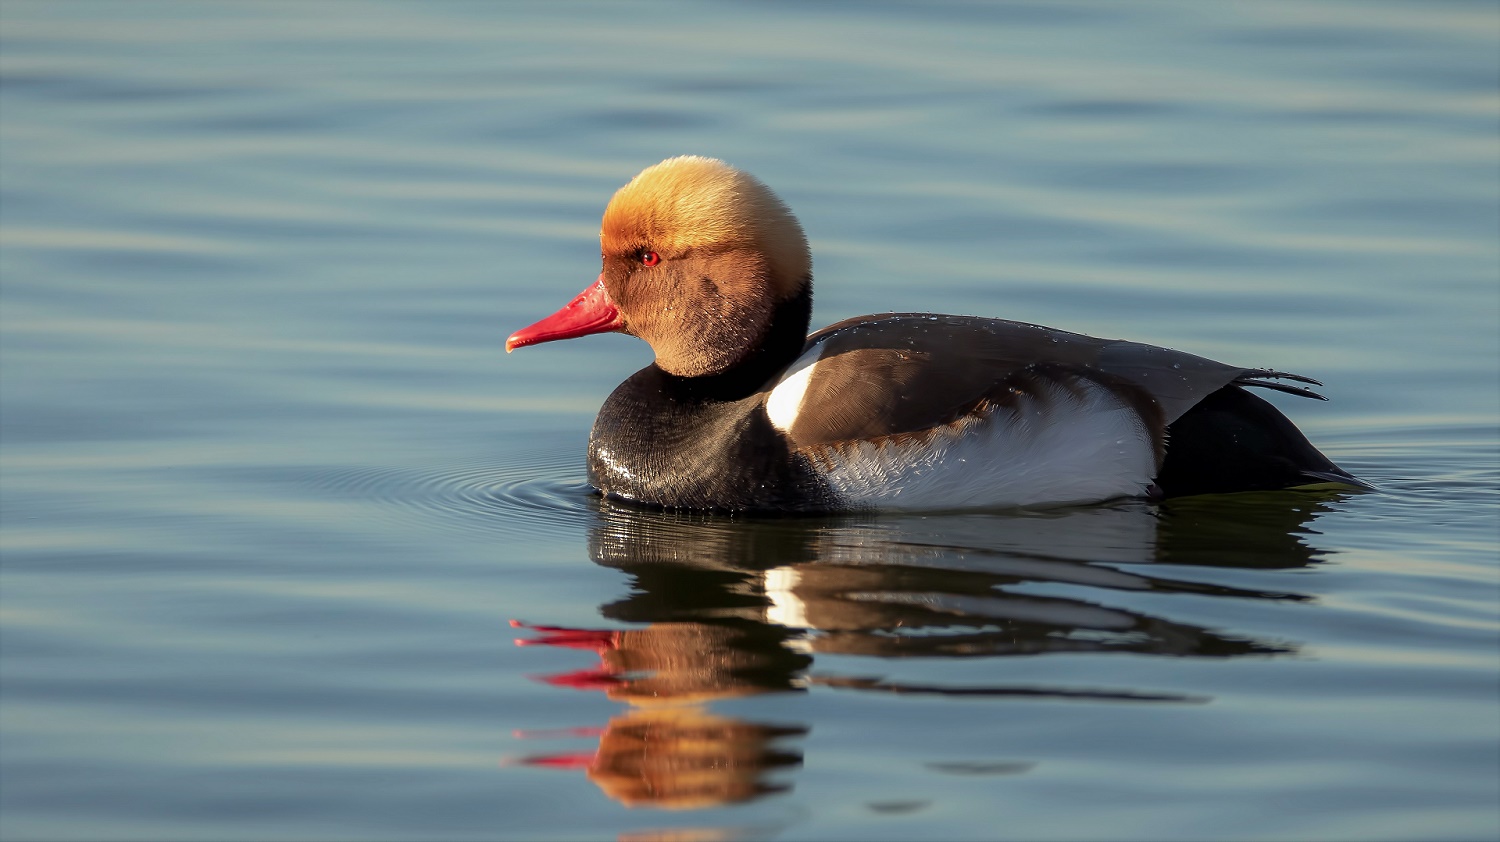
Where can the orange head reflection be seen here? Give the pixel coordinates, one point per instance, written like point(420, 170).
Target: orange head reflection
point(670, 753)
point(678, 663)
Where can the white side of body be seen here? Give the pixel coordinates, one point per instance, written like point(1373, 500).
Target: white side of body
point(1072, 445)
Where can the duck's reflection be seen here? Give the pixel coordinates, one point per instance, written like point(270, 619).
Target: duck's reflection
point(668, 751)
point(683, 758)
point(740, 607)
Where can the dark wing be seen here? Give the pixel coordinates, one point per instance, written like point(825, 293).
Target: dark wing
point(908, 372)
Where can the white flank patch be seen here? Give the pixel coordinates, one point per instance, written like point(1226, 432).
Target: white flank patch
point(785, 399)
point(1065, 449)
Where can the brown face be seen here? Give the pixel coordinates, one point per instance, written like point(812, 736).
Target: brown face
point(697, 256)
point(701, 310)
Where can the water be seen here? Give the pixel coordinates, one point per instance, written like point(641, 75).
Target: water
point(272, 495)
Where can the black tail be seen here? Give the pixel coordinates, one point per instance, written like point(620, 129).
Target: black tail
point(1234, 441)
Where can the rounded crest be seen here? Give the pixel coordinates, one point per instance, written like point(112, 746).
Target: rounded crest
point(694, 203)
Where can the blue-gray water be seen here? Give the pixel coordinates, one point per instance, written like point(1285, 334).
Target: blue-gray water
point(272, 493)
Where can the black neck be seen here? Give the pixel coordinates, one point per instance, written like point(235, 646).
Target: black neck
point(782, 344)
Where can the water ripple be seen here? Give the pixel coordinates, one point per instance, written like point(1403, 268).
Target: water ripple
point(530, 497)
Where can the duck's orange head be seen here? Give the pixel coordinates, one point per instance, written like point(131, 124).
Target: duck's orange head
point(696, 257)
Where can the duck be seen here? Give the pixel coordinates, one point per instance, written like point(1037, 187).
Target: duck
point(742, 411)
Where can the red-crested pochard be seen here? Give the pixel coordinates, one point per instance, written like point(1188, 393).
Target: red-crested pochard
point(743, 411)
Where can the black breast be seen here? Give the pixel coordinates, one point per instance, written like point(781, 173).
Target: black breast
point(684, 443)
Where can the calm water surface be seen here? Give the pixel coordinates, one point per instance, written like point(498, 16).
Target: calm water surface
point(293, 551)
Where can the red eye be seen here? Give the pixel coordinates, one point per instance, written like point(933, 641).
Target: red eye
point(650, 258)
